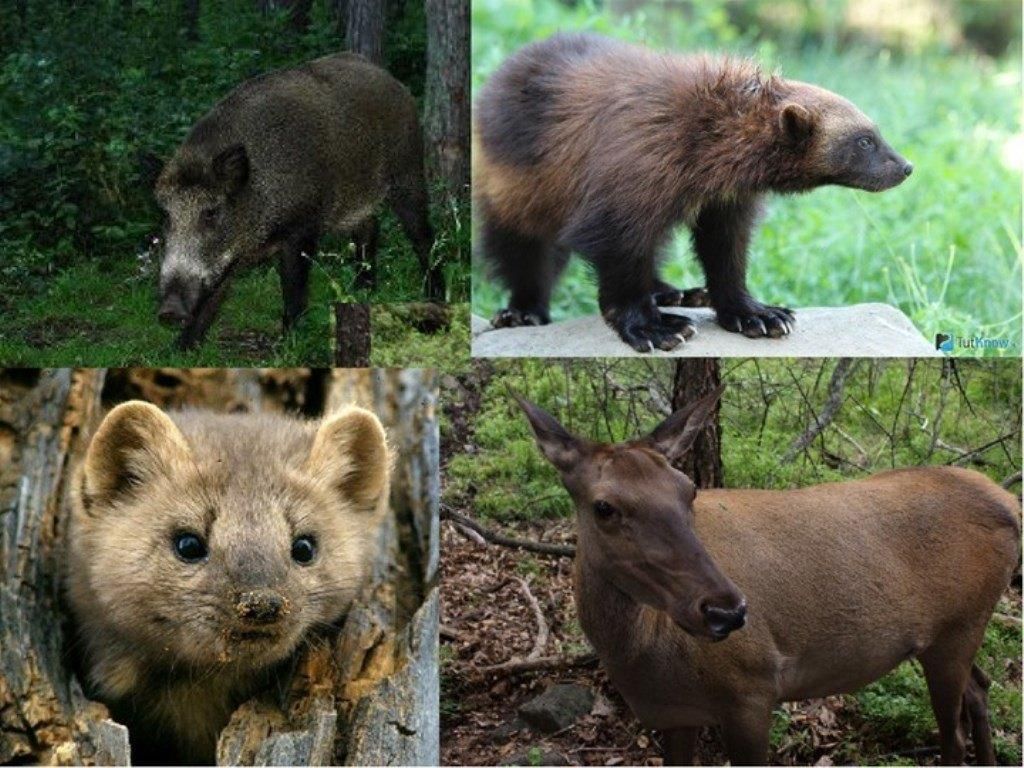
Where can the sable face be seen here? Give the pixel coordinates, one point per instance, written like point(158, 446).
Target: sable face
point(201, 201)
point(201, 551)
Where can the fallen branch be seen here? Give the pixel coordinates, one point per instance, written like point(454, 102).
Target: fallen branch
point(541, 641)
point(543, 663)
point(1007, 621)
point(836, 386)
point(540, 547)
point(1011, 481)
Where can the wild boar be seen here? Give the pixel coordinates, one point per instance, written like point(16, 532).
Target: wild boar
point(281, 160)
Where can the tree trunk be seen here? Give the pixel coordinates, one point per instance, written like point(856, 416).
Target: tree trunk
point(364, 28)
point(446, 113)
point(370, 697)
point(695, 377)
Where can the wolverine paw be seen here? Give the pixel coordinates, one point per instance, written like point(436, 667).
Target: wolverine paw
point(515, 318)
point(673, 297)
point(758, 320)
point(646, 329)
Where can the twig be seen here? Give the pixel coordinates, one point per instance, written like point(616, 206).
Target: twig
point(970, 454)
point(541, 641)
point(912, 752)
point(1012, 480)
point(842, 371)
point(540, 547)
point(450, 633)
point(1007, 621)
point(543, 663)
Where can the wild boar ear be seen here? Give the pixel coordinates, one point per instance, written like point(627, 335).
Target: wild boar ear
point(561, 448)
point(231, 167)
point(676, 434)
point(796, 122)
point(350, 452)
point(135, 443)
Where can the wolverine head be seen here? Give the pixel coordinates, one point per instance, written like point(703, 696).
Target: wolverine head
point(838, 143)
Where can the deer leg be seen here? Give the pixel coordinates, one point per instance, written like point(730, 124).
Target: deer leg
point(975, 714)
point(947, 668)
point(680, 745)
point(745, 733)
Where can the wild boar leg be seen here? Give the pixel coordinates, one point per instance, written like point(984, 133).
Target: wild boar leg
point(365, 238)
point(293, 269)
point(409, 202)
point(195, 329)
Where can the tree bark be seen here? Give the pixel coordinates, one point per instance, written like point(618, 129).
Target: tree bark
point(695, 377)
point(364, 28)
point(367, 697)
point(298, 11)
point(446, 113)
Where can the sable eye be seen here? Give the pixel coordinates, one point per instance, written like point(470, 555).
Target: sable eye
point(603, 510)
point(304, 550)
point(865, 143)
point(189, 547)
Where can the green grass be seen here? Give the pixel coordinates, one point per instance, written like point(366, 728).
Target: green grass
point(945, 247)
point(396, 344)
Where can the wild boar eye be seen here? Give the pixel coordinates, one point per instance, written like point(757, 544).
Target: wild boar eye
point(604, 511)
point(209, 215)
point(865, 142)
point(304, 550)
point(189, 547)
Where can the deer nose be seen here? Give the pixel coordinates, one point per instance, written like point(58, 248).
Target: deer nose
point(722, 621)
point(260, 607)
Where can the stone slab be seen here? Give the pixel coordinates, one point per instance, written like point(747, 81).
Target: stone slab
point(863, 330)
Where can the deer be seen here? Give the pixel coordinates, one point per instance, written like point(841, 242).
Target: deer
point(710, 608)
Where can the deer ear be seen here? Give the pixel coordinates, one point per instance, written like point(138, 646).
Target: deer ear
point(231, 167)
point(135, 443)
point(675, 435)
point(559, 447)
point(350, 451)
point(796, 122)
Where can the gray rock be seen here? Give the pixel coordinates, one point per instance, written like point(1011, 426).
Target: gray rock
point(863, 330)
point(558, 707)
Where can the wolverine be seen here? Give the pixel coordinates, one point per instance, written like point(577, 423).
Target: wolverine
point(589, 145)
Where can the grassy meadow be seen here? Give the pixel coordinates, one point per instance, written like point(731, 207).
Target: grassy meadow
point(944, 247)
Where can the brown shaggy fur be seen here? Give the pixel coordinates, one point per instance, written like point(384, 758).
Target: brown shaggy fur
point(173, 646)
point(595, 146)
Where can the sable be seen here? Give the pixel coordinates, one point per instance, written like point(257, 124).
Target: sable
point(588, 145)
point(204, 548)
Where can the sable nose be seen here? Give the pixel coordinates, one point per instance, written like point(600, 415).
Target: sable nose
point(260, 607)
point(908, 169)
point(722, 621)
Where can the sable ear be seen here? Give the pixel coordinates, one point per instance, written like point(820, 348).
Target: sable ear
point(350, 452)
point(675, 435)
point(135, 443)
point(558, 446)
point(796, 122)
point(231, 167)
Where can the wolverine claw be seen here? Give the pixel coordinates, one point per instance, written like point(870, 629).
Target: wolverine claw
point(516, 318)
point(756, 321)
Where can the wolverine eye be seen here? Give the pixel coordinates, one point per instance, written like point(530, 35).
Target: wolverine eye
point(865, 142)
point(304, 550)
point(604, 511)
point(189, 547)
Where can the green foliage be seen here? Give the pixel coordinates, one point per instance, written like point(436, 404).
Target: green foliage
point(88, 88)
point(396, 344)
point(951, 261)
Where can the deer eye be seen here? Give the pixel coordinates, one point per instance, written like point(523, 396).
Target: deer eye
point(604, 511)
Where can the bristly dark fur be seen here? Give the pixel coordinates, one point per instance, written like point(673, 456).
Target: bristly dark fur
point(593, 145)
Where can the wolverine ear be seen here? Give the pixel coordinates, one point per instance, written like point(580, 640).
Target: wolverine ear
point(135, 443)
point(561, 448)
point(231, 167)
point(675, 435)
point(350, 451)
point(796, 122)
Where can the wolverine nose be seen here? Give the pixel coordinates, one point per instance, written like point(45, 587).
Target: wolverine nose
point(908, 169)
point(722, 621)
point(260, 607)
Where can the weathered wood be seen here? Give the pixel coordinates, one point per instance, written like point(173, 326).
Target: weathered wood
point(446, 110)
point(366, 695)
point(352, 335)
